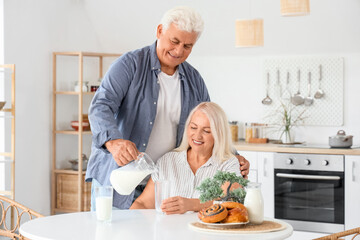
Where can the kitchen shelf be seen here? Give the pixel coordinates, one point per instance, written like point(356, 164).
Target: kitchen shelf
point(6, 109)
point(11, 154)
point(68, 171)
point(71, 132)
point(5, 193)
point(87, 54)
point(6, 154)
point(69, 191)
point(6, 161)
point(73, 93)
point(6, 116)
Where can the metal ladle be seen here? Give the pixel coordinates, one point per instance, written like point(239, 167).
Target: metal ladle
point(319, 93)
point(298, 99)
point(287, 94)
point(309, 100)
point(267, 100)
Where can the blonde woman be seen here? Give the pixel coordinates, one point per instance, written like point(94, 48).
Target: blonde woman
point(206, 147)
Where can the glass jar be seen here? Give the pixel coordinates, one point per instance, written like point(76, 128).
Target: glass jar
point(248, 132)
point(234, 129)
point(254, 203)
point(84, 87)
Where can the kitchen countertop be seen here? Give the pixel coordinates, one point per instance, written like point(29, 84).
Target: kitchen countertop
point(297, 148)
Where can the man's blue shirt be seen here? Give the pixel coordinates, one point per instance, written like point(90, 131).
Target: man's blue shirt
point(125, 105)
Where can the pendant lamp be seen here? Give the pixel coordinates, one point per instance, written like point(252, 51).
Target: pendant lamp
point(295, 7)
point(249, 33)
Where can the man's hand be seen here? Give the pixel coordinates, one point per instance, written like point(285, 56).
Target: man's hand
point(244, 166)
point(123, 151)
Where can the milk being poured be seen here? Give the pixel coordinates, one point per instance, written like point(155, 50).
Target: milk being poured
point(125, 179)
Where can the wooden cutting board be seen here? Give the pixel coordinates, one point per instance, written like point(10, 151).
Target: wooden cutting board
point(266, 226)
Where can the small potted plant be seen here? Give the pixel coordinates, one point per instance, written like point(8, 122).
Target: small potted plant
point(284, 119)
point(212, 189)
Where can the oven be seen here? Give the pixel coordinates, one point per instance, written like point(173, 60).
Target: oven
point(309, 191)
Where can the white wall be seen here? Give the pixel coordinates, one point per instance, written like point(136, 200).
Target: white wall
point(234, 75)
point(34, 29)
point(2, 92)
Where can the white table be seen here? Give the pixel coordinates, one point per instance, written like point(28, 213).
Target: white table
point(129, 225)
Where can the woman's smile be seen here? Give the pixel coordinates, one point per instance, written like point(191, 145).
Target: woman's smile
point(197, 142)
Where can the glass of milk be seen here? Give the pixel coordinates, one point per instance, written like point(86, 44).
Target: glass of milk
point(162, 191)
point(103, 203)
point(125, 179)
point(254, 203)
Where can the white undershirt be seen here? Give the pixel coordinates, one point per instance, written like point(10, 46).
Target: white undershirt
point(163, 135)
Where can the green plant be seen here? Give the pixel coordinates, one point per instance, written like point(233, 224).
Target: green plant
point(210, 189)
point(285, 118)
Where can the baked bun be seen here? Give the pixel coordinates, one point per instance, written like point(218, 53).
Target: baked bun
point(231, 205)
point(213, 214)
point(236, 215)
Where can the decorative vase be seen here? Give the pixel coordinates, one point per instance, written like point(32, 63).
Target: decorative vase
point(286, 137)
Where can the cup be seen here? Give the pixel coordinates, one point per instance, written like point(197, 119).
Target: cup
point(162, 191)
point(103, 203)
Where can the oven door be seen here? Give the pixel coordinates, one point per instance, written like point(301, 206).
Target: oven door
point(313, 196)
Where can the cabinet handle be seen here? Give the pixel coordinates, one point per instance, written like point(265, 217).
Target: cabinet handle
point(353, 171)
point(264, 170)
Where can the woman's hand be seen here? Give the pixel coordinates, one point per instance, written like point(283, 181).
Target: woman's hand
point(177, 205)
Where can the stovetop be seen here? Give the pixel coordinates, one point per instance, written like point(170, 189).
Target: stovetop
point(323, 146)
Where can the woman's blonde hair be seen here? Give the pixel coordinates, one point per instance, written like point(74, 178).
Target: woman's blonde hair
point(220, 130)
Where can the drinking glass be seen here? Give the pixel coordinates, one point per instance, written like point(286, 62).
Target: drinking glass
point(162, 191)
point(103, 203)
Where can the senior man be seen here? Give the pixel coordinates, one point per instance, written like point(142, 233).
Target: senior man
point(144, 100)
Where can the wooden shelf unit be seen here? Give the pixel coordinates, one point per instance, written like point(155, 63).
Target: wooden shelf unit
point(69, 192)
point(10, 193)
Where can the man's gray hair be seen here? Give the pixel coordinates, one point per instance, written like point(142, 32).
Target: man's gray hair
point(185, 18)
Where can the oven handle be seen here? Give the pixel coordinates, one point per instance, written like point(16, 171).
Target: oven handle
point(302, 176)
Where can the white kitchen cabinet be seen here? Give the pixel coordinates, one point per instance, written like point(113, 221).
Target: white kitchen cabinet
point(352, 191)
point(266, 178)
point(262, 171)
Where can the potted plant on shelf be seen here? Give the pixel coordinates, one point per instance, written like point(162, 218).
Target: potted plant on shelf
point(212, 189)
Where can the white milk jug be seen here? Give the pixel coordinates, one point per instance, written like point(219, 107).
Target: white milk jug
point(125, 179)
point(254, 203)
